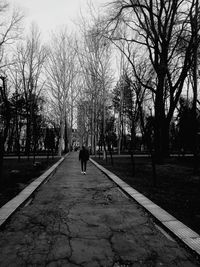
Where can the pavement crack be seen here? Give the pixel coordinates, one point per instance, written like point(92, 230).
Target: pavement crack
point(110, 237)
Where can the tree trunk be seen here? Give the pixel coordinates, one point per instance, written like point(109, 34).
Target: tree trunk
point(160, 142)
point(119, 145)
point(132, 147)
point(104, 150)
point(17, 140)
point(161, 139)
point(110, 152)
point(28, 139)
point(153, 164)
point(195, 93)
point(61, 140)
point(165, 138)
point(1, 155)
point(66, 135)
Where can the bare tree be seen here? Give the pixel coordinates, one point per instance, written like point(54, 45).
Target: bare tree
point(26, 73)
point(9, 32)
point(61, 72)
point(157, 28)
point(94, 56)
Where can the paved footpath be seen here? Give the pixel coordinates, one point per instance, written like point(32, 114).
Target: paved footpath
point(78, 220)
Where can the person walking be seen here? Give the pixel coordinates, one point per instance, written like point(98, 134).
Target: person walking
point(83, 157)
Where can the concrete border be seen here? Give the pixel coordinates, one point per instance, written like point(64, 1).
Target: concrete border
point(190, 238)
point(11, 206)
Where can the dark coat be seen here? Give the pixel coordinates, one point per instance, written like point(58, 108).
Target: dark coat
point(84, 154)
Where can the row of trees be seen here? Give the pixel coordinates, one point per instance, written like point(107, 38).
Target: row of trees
point(131, 105)
point(38, 88)
point(47, 90)
point(95, 62)
point(157, 42)
point(38, 92)
point(162, 37)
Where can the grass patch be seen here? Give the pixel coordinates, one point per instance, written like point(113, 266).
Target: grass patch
point(17, 175)
point(177, 189)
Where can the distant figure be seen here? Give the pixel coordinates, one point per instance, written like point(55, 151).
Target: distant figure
point(83, 157)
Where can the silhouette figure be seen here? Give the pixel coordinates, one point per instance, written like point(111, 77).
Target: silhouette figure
point(83, 157)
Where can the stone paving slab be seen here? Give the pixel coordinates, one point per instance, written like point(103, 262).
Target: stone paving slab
point(85, 220)
point(181, 230)
point(189, 237)
point(193, 243)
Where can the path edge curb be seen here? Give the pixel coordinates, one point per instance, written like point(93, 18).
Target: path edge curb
point(7, 210)
point(187, 236)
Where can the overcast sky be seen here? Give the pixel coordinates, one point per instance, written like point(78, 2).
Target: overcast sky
point(50, 14)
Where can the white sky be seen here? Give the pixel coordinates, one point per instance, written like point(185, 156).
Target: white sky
point(50, 14)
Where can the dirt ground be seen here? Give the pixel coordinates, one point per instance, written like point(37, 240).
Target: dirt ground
point(17, 175)
point(177, 189)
